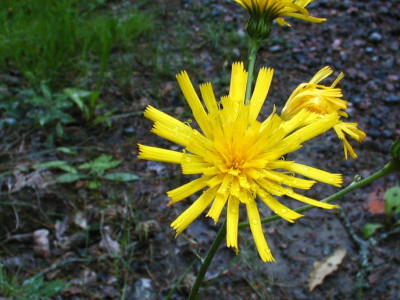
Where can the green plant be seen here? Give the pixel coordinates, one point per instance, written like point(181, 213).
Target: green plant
point(49, 109)
point(38, 109)
point(87, 102)
point(33, 288)
point(57, 40)
point(95, 171)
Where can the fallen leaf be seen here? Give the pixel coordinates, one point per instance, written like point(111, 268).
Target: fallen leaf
point(113, 248)
point(41, 242)
point(80, 220)
point(325, 267)
point(376, 204)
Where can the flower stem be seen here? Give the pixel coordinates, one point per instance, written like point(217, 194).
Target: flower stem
point(254, 46)
point(207, 261)
point(391, 167)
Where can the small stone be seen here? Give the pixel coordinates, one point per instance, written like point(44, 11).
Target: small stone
point(392, 99)
point(375, 37)
point(375, 122)
point(387, 133)
point(274, 49)
point(374, 133)
point(369, 50)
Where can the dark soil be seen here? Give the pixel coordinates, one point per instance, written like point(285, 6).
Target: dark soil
point(204, 37)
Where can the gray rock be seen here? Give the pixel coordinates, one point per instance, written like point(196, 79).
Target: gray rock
point(375, 37)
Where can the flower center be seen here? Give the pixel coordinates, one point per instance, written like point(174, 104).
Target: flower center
point(234, 163)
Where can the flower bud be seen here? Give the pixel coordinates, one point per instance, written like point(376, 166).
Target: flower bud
point(259, 28)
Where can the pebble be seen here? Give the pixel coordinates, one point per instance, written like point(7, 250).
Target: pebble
point(375, 37)
point(369, 50)
point(374, 132)
point(392, 99)
point(274, 49)
point(375, 122)
point(387, 133)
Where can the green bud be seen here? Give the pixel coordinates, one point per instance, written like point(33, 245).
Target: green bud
point(259, 27)
point(395, 150)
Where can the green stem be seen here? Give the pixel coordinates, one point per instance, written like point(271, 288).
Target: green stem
point(391, 167)
point(254, 46)
point(207, 261)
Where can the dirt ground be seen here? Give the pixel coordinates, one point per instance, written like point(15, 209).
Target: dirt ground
point(204, 37)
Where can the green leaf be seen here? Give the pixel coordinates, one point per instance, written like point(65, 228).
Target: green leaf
point(93, 97)
point(77, 96)
point(121, 177)
point(61, 164)
point(100, 164)
point(60, 130)
point(67, 150)
point(370, 228)
point(46, 92)
point(392, 200)
point(95, 184)
point(69, 177)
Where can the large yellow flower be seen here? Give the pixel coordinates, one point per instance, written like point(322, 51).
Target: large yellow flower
point(237, 156)
point(277, 9)
point(324, 100)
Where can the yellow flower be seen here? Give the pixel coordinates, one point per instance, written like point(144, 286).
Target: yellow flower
point(237, 156)
point(324, 100)
point(269, 10)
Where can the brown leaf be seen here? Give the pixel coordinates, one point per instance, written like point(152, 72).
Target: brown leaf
point(325, 267)
point(376, 204)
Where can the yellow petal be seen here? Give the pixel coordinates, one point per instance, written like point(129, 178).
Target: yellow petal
point(158, 154)
point(217, 206)
point(316, 174)
point(349, 148)
point(208, 96)
point(178, 135)
point(193, 164)
point(288, 180)
point(260, 92)
point(190, 214)
point(194, 102)
point(310, 201)
point(187, 189)
point(256, 229)
point(232, 223)
point(237, 88)
point(278, 208)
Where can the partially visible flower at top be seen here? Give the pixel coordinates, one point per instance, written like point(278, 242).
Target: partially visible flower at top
point(324, 100)
point(264, 12)
point(237, 156)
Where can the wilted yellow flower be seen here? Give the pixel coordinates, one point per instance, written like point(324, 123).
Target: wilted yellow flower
point(237, 156)
point(263, 12)
point(324, 100)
